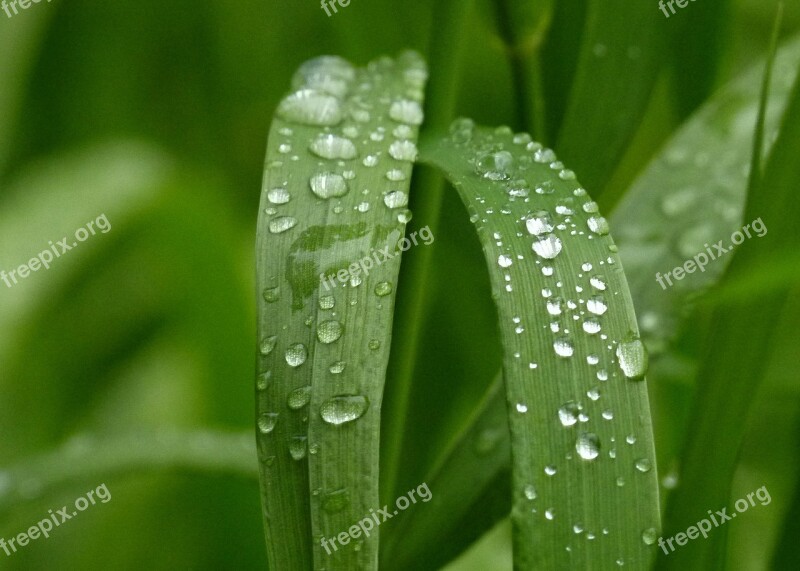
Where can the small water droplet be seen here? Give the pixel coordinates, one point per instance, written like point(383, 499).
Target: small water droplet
point(548, 246)
point(563, 347)
point(598, 225)
point(299, 398)
point(649, 536)
point(342, 409)
point(395, 199)
point(403, 151)
point(268, 344)
point(522, 408)
point(549, 514)
point(311, 107)
point(530, 492)
point(282, 224)
point(395, 175)
point(633, 359)
point(329, 331)
point(539, 223)
point(588, 446)
point(494, 166)
point(406, 111)
point(591, 326)
point(504, 261)
point(329, 146)
point(554, 306)
point(296, 354)
point(568, 414)
point(297, 447)
point(374, 344)
point(643, 465)
point(550, 470)
point(278, 195)
point(370, 161)
point(327, 302)
point(267, 421)
point(272, 294)
point(461, 130)
point(328, 185)
point(382, 289)
point(597, 305)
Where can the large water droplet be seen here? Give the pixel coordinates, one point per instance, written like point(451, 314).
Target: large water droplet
point(279, 195)
point(282, 224)
point(342, 409)
point(495, 166)
point(406, 111)
point(299, 398)
point(395, 199)
point(643, 465)
point(296, 354)
point(268, 344)
point(272, 294)
point(266, 422)
point(539, 223)
point(598, 225)
point(329, 331)
point(403, 151)
point(547, 247)
point(331, 146)
point(297, 447)
point(632, 357)
point(568, 414)
point(563, 347)
point(588, 446)
point(596, 305)
point(311, 107)
point(328, 185)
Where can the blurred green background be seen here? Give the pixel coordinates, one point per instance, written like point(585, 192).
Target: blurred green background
point(155, 114)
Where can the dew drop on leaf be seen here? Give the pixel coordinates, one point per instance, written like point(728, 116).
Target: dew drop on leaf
point(341, 409)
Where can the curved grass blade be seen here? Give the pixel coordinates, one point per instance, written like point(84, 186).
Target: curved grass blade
point(581, 439)
point(335, 189)
point(693, 194)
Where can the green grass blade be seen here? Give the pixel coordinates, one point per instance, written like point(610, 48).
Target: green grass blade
point(735, 357)
point(618, 64)
point(335, 187)
point(581, 439)
point(694, 193)
point(469, 472)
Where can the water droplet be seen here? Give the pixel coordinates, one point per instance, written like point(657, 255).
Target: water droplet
point(597, 305)
point(262, 382)
point(370, 161)
point(461, 130)
point(539, 223)
point(331, 146)
point(588, 446)
point(342, 409)
point(268, 344)
point(548, 246)
point(299, 398)
point(566, 174)
point(518, 188)
point(608, 414)
point(550, 470)
point(598, 225)
point(297, 447)
point(632, 357)
point(311, 107)
point(395, 199)
point(620, 481)
point(554, 306)
point(329, 331)
point(296, 354)
point(591, 326)
point(521, 139)
point(382, 289)
point(405, 111)
point(327, 302)
point(530, 492)
point(404, 216)
point(522, 408)
point(643, 465)
point(504, 261)
point(272, 294)
point(590, 207)
point(335, 501)
point(403, 151)
point(282, 224)
point(545, 187)
point(495, 166)
point(563, 347)
point(395, 175)
point(544, 155)
point(549, 514)
point(577, 528)
point(267, 421)
point(649, 536)
point(598, 283)
point(279, 195)
point(568, 414)
point(328, 185)
point(374, 344)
